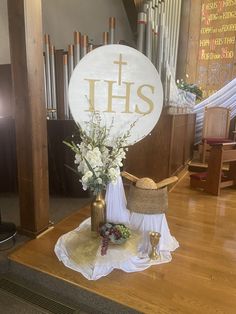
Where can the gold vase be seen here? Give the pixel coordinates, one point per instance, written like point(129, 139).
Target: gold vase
point(98, 212)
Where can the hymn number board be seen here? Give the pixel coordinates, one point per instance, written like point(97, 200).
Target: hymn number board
point(122, 85)
point(216, 64)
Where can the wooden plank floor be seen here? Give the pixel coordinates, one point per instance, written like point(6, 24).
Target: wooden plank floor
point(201, 277)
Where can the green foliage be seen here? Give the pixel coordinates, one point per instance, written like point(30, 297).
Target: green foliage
point(192, 88)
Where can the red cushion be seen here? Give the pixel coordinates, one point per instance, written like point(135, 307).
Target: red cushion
point(199, 176)
point(215, 140)
point(203, 176)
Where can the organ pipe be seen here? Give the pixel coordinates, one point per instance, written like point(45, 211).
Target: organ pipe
point(157, 38)
point(112, 30)
point(142, 21)
point(77, 39)
point(105, 36)
point(53, 83)
point(84, 45)
point(161, 36)
point(48, 74)
point(65, 71)
point(149, 34)
point(177, 34)
point(90, 47)
point(70, 60)
point(45, 85)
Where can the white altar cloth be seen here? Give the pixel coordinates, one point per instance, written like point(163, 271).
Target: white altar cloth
point(81, 251)
point(117, 212)
point(74, 250)
point(158, 223)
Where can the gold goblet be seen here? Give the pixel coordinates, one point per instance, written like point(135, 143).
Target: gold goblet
point(154, 239)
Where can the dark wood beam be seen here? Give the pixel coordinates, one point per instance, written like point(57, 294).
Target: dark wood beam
point(26, 46)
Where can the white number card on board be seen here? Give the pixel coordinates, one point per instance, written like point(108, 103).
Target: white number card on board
point(122, 85)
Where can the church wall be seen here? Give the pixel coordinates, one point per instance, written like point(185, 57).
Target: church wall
point(4, 34)
point(61, 18)
point(207, 49)
point(158, 156)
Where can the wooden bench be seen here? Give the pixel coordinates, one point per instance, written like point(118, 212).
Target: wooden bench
point(215, 179)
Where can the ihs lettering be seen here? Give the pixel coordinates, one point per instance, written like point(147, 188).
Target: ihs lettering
point(125, 97)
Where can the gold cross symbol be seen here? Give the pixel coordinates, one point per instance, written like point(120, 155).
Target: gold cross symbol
point(120, 63)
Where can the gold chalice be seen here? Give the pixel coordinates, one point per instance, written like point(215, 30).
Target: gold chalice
point(154, 239)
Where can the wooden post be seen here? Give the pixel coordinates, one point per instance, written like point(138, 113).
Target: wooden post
point(214, 170)
point(26, 46)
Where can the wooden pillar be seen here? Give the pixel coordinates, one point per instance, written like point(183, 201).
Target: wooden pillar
point(26, 46)
point(183, 39)
point(189, 40)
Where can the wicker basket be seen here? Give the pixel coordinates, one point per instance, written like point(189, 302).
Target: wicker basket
point(147, 201)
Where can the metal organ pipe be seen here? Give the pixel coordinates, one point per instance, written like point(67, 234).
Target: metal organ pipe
point(157, 38)
point(155, 52)
point(90, 47)
point(65, 72)
point(77, 39)
point(142, 21)
point(84, 45)
point(70, 60)
point(161, 33)
point(149, 34)
point(53, 81)
point(48, 74)
point(112, 30)
point(177, 33)
point(45, 84)
point(105, 37)
point(172, 32)
point(145, 7)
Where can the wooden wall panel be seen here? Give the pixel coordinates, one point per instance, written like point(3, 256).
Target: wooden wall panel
point(8, 168)
point(150, 157)
point(166, 151)
point(158, 156)
point(6, 107)
point(189, 137)
point(62, 181)
point(177, 144)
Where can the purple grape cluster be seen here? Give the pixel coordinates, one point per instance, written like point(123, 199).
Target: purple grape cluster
point(105, 243)
point(116, 233)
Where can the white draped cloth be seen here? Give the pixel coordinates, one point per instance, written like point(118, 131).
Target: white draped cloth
point(117, 211)
point(157, 223)
point(79, 251)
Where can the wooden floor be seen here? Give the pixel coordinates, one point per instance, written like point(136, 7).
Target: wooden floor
point(201, 277)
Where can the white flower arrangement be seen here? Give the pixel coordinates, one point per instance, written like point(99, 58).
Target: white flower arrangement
point(97, 163)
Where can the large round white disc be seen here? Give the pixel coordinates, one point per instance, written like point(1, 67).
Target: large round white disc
point(122, 85)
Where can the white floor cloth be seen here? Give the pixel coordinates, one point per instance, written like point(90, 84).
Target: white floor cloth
point(129, 257)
